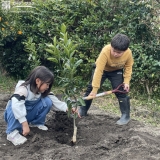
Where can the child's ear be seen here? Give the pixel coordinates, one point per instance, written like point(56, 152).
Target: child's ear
point(37, 80)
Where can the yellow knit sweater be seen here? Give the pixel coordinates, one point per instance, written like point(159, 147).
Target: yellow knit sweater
point(107, 62)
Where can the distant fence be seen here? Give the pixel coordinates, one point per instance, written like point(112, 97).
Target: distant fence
point(7, 5)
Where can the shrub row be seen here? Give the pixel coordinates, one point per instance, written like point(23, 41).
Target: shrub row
point(91, 24)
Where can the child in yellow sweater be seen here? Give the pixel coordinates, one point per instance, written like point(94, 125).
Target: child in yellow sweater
point(115, 63)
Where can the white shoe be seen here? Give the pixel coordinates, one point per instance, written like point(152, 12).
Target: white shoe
point(16, 138)
point(42, 127)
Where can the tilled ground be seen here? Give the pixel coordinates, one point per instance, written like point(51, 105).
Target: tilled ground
point(98, 138)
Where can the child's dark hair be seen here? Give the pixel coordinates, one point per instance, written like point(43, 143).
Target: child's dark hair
point(44, 74)
point(120, 42)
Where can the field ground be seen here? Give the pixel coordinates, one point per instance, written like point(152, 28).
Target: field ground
point(98, 138)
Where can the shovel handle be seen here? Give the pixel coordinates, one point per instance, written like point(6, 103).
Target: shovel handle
point(97, 95)
point(117, 90)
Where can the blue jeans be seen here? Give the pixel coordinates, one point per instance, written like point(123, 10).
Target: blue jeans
point(36, 114)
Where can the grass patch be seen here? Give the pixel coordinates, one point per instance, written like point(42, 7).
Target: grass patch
point(7, 84)
point(146, 111)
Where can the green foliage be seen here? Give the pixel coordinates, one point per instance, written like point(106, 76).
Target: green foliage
point(30, 47)
point(62, 52)
point(91, 24)
point(13, 56)
point(146, 71)
point(13, 59)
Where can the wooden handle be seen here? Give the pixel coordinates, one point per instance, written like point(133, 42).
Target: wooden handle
point(97, 95)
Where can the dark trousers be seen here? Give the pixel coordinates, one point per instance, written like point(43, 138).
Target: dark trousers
point(115, 77)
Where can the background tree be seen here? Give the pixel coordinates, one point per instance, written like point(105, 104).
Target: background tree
point(91, 24)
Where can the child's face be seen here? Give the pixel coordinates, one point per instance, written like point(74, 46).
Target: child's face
point(116, 53)
point(42, 88)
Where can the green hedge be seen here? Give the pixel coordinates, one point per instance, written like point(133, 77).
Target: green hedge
point(91, 24)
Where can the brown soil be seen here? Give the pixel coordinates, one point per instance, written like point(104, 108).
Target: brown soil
point(98, 138)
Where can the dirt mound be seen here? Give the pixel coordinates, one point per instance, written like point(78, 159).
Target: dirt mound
point(98, 138)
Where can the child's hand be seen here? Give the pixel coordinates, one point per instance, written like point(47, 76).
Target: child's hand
point(92, 95)
point(126, 87)
point(75, 111)
point(25, 128)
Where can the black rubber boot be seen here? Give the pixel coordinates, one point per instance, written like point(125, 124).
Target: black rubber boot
point(83, 109)
point(124, 104)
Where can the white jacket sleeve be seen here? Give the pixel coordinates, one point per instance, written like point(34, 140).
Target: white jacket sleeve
point(19, 109)
point(57, 104)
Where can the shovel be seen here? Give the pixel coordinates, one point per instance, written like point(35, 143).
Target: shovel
point(119, 89)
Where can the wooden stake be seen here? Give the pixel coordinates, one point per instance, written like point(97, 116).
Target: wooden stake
point(74, 138)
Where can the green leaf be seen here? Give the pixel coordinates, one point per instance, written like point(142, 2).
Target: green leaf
point(55, 41)
point(78, 63)
point(63, 28)
point(50, 51)
point(82, 102)
point(53, 59)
